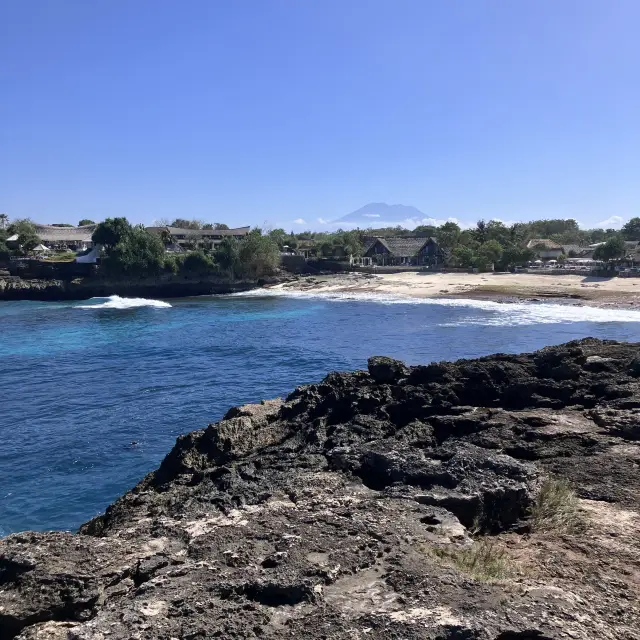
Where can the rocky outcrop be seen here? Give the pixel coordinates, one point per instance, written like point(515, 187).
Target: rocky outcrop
point(14, 288)
point(398, 502)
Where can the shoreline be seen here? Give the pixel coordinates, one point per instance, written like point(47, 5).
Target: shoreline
point(505, 288)
point(491, 496)
point(13, 289)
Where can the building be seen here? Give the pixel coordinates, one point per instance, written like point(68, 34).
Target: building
point(199, 238)
point(399, 251)
point(66, 238)
point(545, 249)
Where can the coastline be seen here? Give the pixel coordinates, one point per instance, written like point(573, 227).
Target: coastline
point(16, 289)
point(490, 498)
point(500, 287)
point(504, 288)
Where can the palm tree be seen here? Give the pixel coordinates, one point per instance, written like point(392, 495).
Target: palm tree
point(4, 218)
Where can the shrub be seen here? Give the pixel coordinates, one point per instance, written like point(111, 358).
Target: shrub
point(173, 262)
point(137, 253)
point(197, 263)
point(557, 508)
point(483, 560)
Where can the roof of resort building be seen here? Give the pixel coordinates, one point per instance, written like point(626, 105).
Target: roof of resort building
point(401, 247)
point(543, 242)
point(51, 233)
point(201, 233)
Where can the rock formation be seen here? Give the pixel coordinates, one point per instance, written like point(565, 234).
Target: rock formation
point(167, 286)
point(404, 502)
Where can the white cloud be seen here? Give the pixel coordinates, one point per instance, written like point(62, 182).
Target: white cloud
point(506, 223)
point(438, 222)
point(371, 215)
point(323, 221)
point(613, 222)
point(299, 221)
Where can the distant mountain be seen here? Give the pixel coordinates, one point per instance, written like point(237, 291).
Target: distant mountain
point(382, 214)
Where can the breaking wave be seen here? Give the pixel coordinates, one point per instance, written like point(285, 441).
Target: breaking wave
point(116, 302)
point(478, 312)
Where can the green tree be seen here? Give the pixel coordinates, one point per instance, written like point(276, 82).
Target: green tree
point(447, 237)
point(84, 222)
point(220, 225)
point(197, 263)
point(610, 250)
point(631, 230)
point(488, 253)
point(462, 256)
point(227, 254)
point(22, 226)
point(26, 232)
point(349, 241)
point(514, 255)
point(28, 241)
point(182, 223)
point(4, 220)
point(137, 253)
point(425, 231)
point(481, 231)
point(258, 255)
point(280, 237)
point(498, 231)
point(111, 232)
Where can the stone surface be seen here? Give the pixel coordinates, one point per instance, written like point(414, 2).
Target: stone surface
point(335, 514)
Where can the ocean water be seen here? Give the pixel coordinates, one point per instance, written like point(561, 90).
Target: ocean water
point(81, 381)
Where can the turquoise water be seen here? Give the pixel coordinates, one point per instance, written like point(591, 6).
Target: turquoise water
point(81, 381)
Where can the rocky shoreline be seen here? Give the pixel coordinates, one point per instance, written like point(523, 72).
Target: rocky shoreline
point(13, 288)
point(488, 499)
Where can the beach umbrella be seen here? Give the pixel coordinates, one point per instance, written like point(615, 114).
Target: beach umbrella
point(41, 249)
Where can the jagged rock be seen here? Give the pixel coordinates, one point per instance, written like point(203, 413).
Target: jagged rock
point(337, 513)
point(385, 369)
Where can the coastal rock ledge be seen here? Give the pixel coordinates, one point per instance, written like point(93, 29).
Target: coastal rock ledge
point(488, 499)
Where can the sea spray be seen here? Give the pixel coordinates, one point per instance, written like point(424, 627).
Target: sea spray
point(116, 302)
point(491, 313)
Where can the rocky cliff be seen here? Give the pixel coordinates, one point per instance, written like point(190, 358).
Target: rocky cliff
point(489, 499)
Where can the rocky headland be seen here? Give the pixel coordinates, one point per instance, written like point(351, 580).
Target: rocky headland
point(488, 499)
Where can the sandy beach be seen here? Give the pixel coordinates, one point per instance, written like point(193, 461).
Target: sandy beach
point(579, 289)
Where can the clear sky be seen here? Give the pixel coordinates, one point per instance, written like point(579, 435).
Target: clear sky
point(254, 111)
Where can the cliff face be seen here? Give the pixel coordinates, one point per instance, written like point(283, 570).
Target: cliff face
point(395, 503)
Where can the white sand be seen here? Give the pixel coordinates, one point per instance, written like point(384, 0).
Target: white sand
point(600, 291)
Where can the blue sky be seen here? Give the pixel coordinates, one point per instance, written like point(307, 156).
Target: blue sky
point(271, 111)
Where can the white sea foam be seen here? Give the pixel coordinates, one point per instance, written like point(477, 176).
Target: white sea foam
point(487, 312)
point(116, 302)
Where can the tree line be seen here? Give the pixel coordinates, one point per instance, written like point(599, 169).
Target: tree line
point(487, 243)
point(133, 251)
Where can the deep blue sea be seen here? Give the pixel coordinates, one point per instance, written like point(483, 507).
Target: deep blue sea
point(80, 381)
